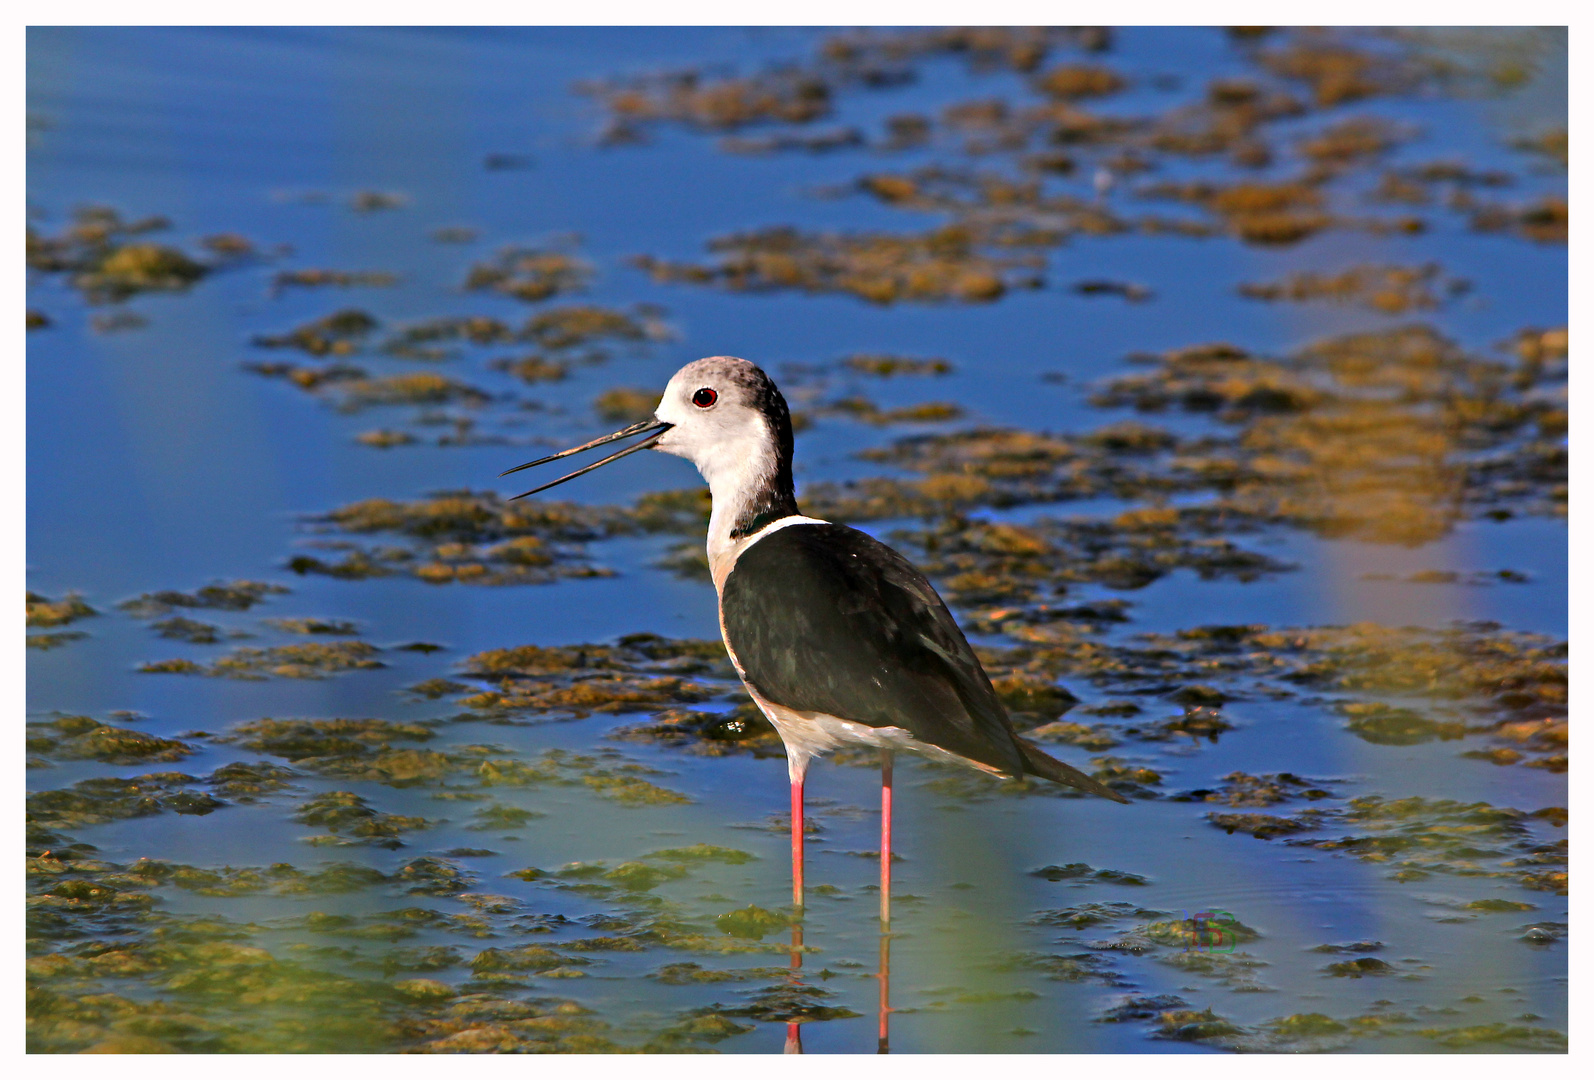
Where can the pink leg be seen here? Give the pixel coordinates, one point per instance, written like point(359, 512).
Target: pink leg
point(797, 844)
point(794, 1037)
point(886, 760)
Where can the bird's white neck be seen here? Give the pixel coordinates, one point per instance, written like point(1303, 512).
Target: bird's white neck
point(750, 491)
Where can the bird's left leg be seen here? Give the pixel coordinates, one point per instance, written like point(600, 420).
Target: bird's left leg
point(886, 761)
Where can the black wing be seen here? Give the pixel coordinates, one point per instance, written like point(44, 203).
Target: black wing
point(827, 619)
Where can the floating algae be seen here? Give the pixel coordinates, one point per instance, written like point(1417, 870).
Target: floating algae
point(232, 596)
point(42, 611)
point(367, 201)
point(1243, 789)
point(1375, 436)
point(334, 627)
point(861, 408)
point(102, 799)
point(1417, 837)
point(713, 104)
point(533, 368)
point(882, 268)
point(193, 631)
point(1392, 290)
point(625, 405)
point(106, 264)
point(478, 538)
point(343, 279)
point(341, 333)
point(530, 274)
point(1083, 872)
point(55, 640)
point(82, 738)
point(564, 328)
point(886, 366)
point(282, 661)
point(346, 815)
point(985, 563)
point(640, 671)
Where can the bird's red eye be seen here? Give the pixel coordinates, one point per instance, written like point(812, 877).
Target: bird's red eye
point(704, 398)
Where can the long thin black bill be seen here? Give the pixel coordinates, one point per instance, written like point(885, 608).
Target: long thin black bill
point(646, 444)
point(638, 428)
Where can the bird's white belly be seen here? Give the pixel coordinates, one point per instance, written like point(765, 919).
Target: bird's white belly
point(809, 735)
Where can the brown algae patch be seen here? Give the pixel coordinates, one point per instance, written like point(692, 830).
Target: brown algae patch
point(311, 661)
point(349, 819)
point(586, 325)
point(478, 538)
point(640, 672)
point(1387, 436)
point(343, 279)
point(54, 640)
point(231, 596)
point(1083, 873)
point(712, 104)
point(385, 752)
point(1337, 70)
point(105, 260)
point(411, 388)
point(333, 627)
point(82, 738)
point(530, 274)
point(1391, 290)
point(625, 405)
point(341, 333)
point(883, 268)
point(884, 365)
point(355, 749)
point(1545, 221)
point(982, 563)
point(604, 773)
point(1417, 837)
point(103, 799)
point(861, 408)
point(42, 611)
point(1243, 789)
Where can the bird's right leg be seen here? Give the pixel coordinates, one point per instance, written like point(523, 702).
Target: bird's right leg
point(794, 1038)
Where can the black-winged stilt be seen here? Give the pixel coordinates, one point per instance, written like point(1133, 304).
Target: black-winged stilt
point(836, 636)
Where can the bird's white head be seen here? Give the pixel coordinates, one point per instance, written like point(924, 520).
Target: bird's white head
point(725, 416)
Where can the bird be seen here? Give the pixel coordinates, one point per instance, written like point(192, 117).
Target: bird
point(838, 638)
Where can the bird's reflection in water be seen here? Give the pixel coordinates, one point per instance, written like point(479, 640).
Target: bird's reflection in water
point(794, 1028)
point(885, 988)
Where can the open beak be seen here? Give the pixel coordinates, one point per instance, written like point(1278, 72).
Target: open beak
point(652, 427)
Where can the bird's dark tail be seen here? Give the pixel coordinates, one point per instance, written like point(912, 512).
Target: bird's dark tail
point(1042, 764)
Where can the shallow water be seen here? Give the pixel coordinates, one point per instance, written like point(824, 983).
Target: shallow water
point(158, 462)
